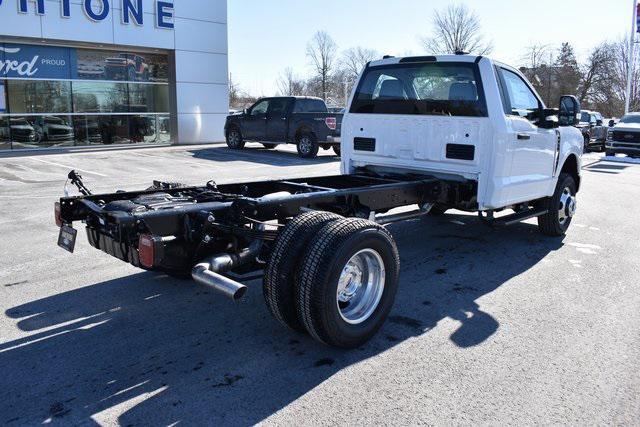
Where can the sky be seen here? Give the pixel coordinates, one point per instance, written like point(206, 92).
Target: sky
point(267, 36)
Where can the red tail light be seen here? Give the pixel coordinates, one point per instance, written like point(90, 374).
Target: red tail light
point(331, 122)
point(57, 213)
point(147, 250)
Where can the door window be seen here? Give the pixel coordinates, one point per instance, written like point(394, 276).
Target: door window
point(260, 108)
point(522, 100)
point(278, 107)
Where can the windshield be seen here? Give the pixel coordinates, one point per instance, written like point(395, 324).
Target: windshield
point(585, 117)
point(450, 89)
point(631, 119)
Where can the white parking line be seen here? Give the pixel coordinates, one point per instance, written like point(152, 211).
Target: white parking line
point(66, 166)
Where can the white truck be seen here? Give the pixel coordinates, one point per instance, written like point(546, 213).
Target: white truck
point(447, 132)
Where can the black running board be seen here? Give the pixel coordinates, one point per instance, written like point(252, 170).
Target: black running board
point(513, 218)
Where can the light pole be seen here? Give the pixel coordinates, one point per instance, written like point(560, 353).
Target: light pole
point(634, 18)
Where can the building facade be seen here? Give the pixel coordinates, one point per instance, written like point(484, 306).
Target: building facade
point(96, 72)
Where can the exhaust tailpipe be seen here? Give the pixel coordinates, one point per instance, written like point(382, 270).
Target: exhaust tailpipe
point(202, 274)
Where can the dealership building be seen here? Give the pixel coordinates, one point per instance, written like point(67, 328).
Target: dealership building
point(115, 72)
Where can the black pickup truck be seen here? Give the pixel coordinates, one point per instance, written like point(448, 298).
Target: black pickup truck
point(303, 121)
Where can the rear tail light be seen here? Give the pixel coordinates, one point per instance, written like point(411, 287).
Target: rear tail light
point(331, 122)
point(147, 250)
point(58, 214)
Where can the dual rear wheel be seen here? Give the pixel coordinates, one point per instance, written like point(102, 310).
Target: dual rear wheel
point(334, 278)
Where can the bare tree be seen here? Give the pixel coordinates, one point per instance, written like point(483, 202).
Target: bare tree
point(596, 71)
point(234, 91)
point(321, 51)
point(355, 59)
point(289, 84)
point(456, 29)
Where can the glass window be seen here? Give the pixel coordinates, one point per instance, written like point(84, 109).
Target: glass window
point(278, 106)
point(310, 106)
point(635, 118)
point(53, 130)
point(5, 133)
point(94, 97)
point(584, 117)
point(122, 66)
point(424, 89)
point(29, 96)
point(148, 98)
point(3, 104)
point(522, 99)
point(260, 108)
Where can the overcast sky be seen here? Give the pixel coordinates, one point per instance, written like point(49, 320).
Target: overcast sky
point(267, 36)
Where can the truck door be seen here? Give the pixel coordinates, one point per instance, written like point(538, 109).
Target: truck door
point(254, 125)
point(532, 149)
point(277, 119)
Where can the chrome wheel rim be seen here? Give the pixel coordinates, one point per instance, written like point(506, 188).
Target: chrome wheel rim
point(360, 286)
point(305, 144)
point(568, 206)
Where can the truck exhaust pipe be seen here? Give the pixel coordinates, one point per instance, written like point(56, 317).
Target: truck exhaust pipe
point(207, 272)
point(202, 274)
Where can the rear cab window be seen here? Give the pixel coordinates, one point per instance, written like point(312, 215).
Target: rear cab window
point(303, 105)
point(432, 88)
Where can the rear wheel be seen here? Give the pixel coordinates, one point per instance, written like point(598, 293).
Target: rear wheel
point(437, 210)
point(348, 282)
point(234, 139)
point(279, 282)
point(561, 208)
point(307, 145)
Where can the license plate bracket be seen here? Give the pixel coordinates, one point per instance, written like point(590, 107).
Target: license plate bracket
point(67, 238)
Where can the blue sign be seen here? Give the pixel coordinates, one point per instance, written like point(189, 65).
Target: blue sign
point(37, 62)
point(99, 10)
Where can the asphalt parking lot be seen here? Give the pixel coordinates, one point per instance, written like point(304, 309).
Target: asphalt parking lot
point(489, 326)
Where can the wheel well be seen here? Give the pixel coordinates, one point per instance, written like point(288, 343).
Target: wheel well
point(571, 167)
point(301, 130)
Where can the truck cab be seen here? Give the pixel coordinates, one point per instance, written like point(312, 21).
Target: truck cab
point(462, 117)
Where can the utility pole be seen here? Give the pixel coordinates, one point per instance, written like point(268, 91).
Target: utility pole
point(631, 53)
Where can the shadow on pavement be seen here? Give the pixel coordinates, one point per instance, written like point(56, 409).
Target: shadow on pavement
point(255, 153)
point(159, 351)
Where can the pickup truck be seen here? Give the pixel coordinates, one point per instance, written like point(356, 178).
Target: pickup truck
point(593, 129)
point(303, 121)
point(624, 137)
point(426, 134)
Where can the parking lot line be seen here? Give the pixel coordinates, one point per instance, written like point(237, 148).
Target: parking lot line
point(67, 167)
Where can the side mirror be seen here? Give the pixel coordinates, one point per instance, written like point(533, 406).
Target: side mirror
point(569, 112)
point(598, 122)
point(548, 119)
point(612, 123)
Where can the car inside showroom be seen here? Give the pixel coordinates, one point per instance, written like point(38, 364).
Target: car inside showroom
point(112, 72)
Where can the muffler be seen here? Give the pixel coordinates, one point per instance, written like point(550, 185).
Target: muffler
point(202, 274)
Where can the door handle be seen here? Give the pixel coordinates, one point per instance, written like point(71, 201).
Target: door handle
point(524, 136)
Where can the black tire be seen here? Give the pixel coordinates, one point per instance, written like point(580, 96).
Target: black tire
point(336, 149)
point(587, 141)
point(279, 282)
point(328, 253)
point(307, 145)
point(326, 146)
point(234, 139)
point(269, 146)
point(438, 210)
point(550, 224)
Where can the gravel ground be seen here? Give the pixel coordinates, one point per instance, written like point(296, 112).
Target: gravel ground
point(489, 326)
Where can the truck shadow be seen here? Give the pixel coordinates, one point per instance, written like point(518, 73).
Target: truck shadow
point(159, 351)
point(255, 153)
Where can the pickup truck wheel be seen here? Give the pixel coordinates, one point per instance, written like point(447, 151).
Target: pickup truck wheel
point(347, 282)
point(336, 149)
point(234, 139)
point(279, 282)
point(307, 145)
point(269, 146)
point(562, 207)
